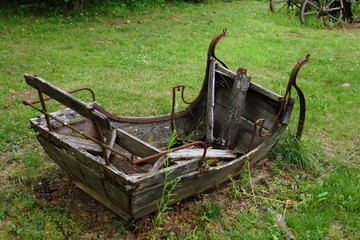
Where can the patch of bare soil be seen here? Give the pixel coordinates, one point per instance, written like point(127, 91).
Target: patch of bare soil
point(353, 26)
point(95, 217)
point(23, 95)
point(294, 34)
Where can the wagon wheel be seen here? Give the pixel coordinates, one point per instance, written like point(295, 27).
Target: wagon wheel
point(328, 11)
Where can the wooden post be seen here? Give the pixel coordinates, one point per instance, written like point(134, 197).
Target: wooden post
point(210, 103)
point(235, 109)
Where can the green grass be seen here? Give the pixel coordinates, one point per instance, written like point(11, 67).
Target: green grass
point(132, 67)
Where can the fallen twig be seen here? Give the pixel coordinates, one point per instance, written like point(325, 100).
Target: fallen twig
point(279, 218)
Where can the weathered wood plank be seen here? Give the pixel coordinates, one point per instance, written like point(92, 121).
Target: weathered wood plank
point(135, 145)
point(105, 201)
point(146, 201)
point(235, 109)
point(154, 178)
point(85, 125)
point(125, 166)
point(257, 105)
point(61, 157)
point(244, 133)
point(82, 143)
point(197, 153)
point(86, 158)
point(189, 185)
point(68, 100)
point(158, 164)
point(116, 195)
point(92, 179)
point(52, 153)
point(210, 104)
point(254, 86)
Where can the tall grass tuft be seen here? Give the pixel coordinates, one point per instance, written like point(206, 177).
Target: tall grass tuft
point(289, 151)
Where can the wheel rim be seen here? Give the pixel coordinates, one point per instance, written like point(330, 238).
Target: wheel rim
point(329, 11)
point(332, 11)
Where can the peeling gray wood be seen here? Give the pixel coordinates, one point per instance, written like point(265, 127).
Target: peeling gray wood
point(82, 143)
point(235, 109)
point(256, 105)
point(254, 86)
point(110, 140)
point(158, 164)
point(125, 166)
point(210, 104)
point(279, 218)
point(198, 153)
point(135, 145)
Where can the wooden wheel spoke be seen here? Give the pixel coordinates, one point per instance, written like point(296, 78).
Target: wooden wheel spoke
point(331, 16)
point(330, 3)
point(312, 4)
point(334, 9)
point(326, 10)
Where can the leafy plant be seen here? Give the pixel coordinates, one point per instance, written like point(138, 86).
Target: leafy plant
point(168, 188)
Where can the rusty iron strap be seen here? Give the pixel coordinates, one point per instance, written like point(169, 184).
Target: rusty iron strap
point(173, 117)
point(73, 91)
point(174, 150)
point(302, 114)
point(43, 100)
point(214, 42)
point(79, 131)
point(43, 105)
point(292, 83)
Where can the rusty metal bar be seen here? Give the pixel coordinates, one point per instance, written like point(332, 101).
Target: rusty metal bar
point(73, 91)
point(41, 97)
point(79, 131)
point(173, 117)
point(302, 114)
point(214, 42)
point(174, 150)
point(291, 83)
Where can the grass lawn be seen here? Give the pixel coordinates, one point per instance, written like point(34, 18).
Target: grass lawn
point(131, 63)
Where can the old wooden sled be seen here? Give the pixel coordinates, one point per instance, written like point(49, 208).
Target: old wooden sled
point(122, 162)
